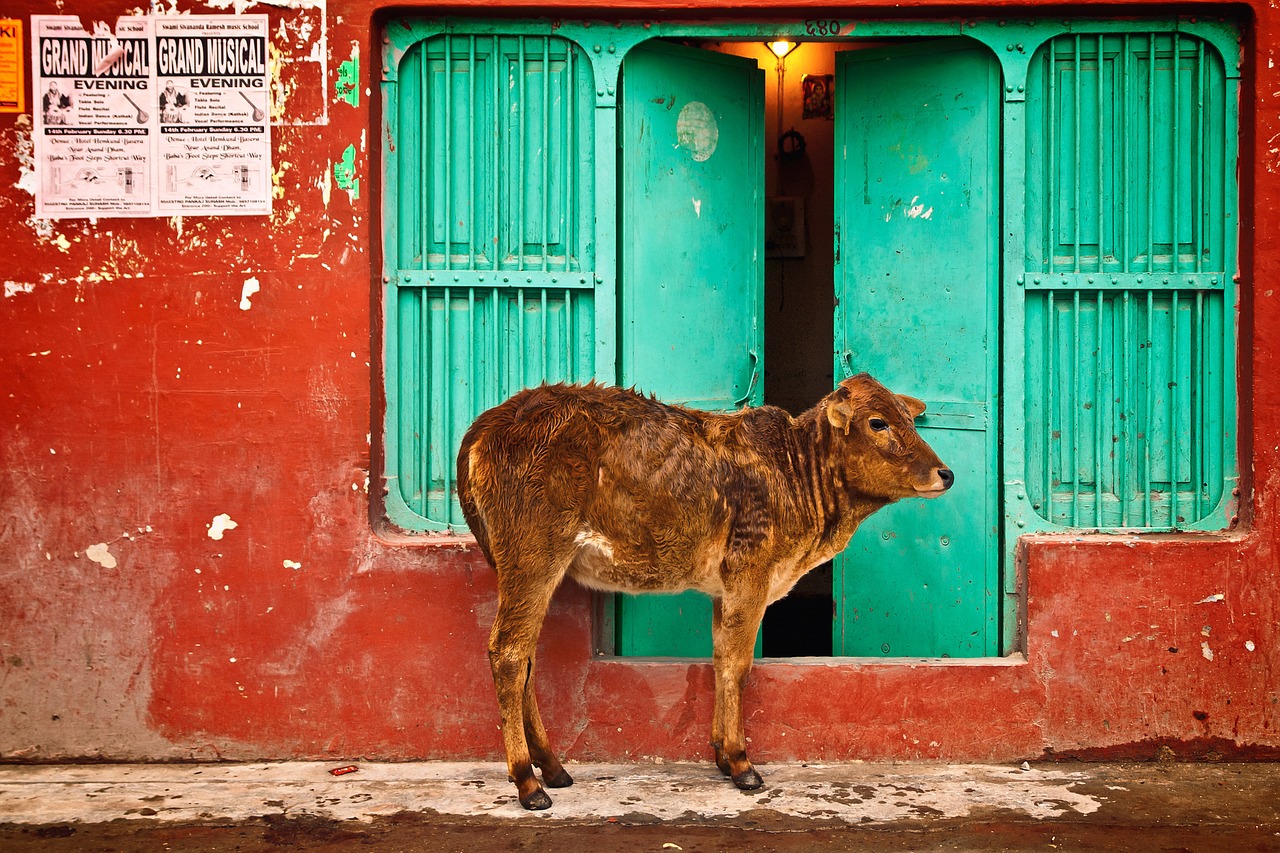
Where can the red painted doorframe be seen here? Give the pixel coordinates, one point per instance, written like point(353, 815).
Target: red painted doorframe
point(144, 398)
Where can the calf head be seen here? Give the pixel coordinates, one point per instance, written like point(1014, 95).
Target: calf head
point(874, 440)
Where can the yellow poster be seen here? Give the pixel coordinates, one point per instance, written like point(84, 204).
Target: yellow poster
point(12, 91)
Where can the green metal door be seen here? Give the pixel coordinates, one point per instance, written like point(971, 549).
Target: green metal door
point(691, 289)
point(917, 274)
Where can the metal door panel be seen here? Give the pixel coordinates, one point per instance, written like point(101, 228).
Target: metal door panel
point(692, 280)
point(917, 272)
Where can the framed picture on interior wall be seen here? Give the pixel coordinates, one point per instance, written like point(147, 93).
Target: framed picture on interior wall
point(819, 90)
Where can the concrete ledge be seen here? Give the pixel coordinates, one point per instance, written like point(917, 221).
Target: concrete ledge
point(674, 794)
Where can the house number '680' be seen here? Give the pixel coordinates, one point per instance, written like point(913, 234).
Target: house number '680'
point(822, 28)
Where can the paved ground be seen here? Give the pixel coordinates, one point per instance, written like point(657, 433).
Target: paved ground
point(671, 807)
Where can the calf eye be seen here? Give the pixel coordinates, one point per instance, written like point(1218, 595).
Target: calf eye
point(878, 425)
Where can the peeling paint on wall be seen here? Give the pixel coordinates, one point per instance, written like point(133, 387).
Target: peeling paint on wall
point(101, 555)
point(24, 153)
point(277, 179)
point(298, 57)
point(917, 211)
point(251, 286)
point(220, 525)
point(325, 183)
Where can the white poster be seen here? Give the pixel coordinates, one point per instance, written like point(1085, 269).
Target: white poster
point(214, 115)
point(165, 115)
point(94, 135)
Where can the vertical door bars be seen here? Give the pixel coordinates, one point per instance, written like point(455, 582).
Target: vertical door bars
point(1104, 365)
point(1142, 374)
point(499, 167)
point(1077, 121)
point(1101, 154)
point(1151, 150)
point(1116, 407)
point(527, 178)
point(467, 346)
point(1122, 220)
point(446, 158)
point(544, 189)
point(1076, 399)
point(1147, 170)
point(454, 328)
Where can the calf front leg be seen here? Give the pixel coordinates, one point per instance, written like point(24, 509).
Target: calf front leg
point(734, 627)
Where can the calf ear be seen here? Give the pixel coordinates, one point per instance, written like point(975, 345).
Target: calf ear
point(839, 410)
point(914, 407)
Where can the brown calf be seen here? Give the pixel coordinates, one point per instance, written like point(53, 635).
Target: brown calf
point(623, 493)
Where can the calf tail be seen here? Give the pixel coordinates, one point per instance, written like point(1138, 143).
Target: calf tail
point(466, 496)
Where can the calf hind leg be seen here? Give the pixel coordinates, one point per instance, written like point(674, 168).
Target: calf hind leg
point(553, 773)
point(512, 642)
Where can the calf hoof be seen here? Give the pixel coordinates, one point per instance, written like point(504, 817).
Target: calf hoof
point(558, 780)
point(537, 801)
point(748, 780)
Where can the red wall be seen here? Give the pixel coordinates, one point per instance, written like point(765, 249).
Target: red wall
point(139, 400)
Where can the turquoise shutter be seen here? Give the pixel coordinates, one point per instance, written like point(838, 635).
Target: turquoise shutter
point(691, 255)
point(1130, 260)
point(489, 241)
point(918, 131)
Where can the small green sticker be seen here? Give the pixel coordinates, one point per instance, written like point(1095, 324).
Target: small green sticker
point(344, 172)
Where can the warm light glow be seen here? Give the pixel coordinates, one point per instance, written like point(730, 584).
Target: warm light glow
point(781, 47)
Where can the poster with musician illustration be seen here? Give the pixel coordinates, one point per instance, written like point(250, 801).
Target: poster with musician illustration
point(94, 132)
point(162, 115)
point(213, 107)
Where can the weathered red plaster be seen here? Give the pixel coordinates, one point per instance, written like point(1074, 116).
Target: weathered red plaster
point(138, 397)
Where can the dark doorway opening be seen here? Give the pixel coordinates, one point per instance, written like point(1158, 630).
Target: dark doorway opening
point(800, 624)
